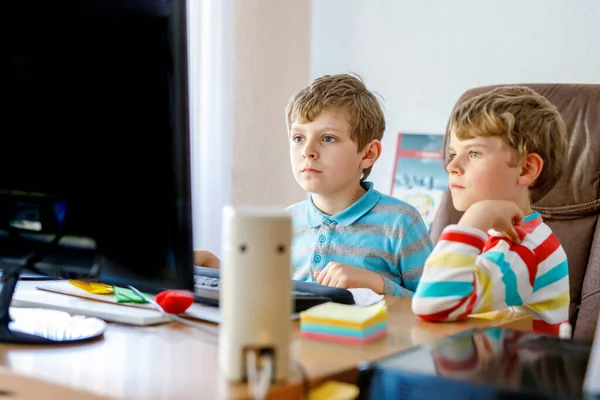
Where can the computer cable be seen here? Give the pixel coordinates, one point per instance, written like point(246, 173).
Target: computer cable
point(259, 377)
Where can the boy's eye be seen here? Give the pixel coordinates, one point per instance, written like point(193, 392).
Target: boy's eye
point(474, 154)
point(297, 139)
point(329, 139)
point(451, 156)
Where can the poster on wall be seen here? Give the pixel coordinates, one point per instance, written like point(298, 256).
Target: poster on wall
point(419, 176)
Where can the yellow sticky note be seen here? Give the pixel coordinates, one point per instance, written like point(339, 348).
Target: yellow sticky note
point(92, 287)
point(334, 391)
point(350, 314)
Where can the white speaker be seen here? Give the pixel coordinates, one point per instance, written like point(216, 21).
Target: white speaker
point(255, 295)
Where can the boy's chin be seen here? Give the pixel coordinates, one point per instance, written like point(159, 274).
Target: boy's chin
point(310, 187)
point(460, 205)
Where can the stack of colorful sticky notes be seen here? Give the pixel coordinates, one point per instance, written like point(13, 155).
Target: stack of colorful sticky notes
point(342, 323)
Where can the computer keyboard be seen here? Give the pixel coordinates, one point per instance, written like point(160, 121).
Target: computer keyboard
point(206, 281)
point(306, 294)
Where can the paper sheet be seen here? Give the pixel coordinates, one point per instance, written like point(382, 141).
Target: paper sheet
point(365, 297)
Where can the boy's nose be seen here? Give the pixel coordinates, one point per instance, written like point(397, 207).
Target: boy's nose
point(454, 167)
point(310, 152)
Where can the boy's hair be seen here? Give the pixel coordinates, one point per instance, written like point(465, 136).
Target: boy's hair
point(527, 123)
point(345, 93)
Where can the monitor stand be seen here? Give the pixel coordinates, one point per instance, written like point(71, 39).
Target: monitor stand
point(40, 326)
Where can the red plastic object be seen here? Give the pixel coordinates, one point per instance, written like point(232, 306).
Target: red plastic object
point(174, 301)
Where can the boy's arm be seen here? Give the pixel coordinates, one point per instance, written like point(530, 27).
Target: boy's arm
point(416, 247)
point(459, 278)
point(399, 279)
point(455, 282)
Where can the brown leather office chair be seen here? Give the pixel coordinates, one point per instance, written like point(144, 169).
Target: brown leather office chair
point(572, 207)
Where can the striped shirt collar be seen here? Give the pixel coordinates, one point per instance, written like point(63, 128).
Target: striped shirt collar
point(531, 221)
point(532, 216)
point(350, 215)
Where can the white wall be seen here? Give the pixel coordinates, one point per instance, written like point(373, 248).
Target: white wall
point(422, 55)
point(271, 61)
point(247, 58)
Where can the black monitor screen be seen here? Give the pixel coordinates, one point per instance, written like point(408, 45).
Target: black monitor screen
point(94, 139)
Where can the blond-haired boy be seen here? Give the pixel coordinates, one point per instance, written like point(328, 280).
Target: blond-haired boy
point(505, 146)
point(347, 234)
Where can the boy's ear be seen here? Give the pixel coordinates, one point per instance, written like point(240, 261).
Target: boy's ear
point(531, 168)
point(371, 153)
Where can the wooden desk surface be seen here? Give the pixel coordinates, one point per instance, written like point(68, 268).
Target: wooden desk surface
point(19, 387)
point(173, 361)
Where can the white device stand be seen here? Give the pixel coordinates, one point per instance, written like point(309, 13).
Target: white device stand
point(255, 294)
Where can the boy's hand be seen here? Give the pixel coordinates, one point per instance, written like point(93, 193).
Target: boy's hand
point(203, 258)
point(346, 276)
point(500, 215)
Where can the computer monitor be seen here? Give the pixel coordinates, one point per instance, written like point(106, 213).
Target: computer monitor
point(94, 139)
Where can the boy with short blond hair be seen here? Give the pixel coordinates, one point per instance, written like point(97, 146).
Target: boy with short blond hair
point(347, 234)
point(506, 149)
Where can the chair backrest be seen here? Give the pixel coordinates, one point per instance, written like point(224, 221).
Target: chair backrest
point(572, 207)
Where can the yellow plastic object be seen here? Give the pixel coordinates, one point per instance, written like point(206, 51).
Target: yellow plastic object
point(92, 287)
point(334, 391)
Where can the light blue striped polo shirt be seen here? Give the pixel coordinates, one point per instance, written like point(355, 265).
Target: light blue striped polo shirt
point(378, 232)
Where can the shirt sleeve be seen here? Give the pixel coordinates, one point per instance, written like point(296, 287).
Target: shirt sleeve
point(459, 276)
